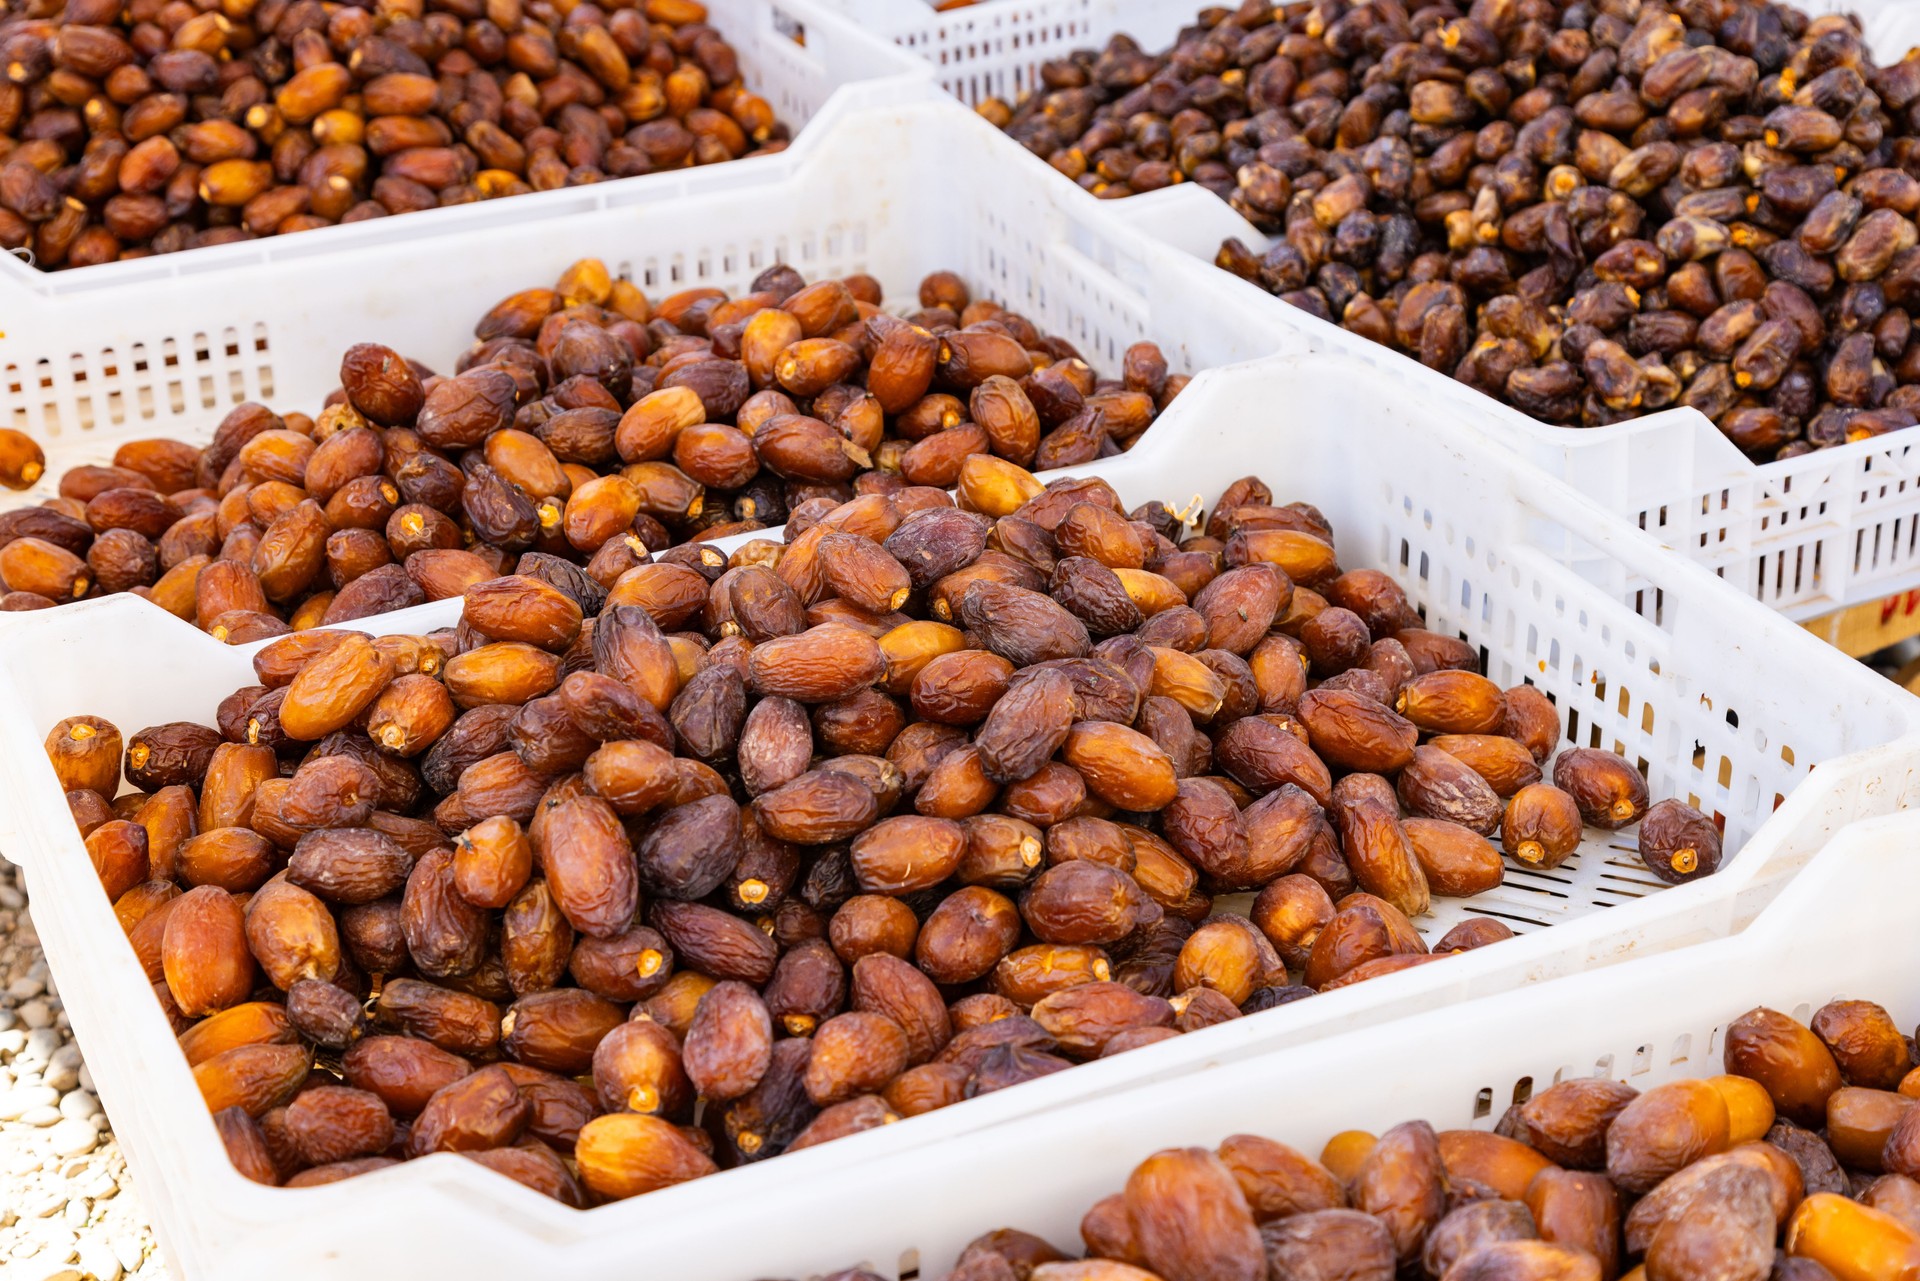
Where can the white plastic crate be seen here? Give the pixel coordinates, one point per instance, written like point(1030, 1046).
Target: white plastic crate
point(1727, 703)
point(1806, 536)
point(1647, 1022)
point(995, 49)
point(167, 341)
point(898, 190)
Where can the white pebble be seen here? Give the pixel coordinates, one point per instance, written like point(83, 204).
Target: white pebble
point(41, 1043)
point(99, 1186)
point(79, 1105)
point(61, 1243)
point(26, 987)
point(12, 1041)
point(86, 1078)
point(63, 1070)
point(98, 1262)
point(43, 1268)
point(22, 1099)
point(40, 1118)
point(72, 1137)
point(37, 1014)
point(44, 1204)
point(128, 1250)
point(77, 1213)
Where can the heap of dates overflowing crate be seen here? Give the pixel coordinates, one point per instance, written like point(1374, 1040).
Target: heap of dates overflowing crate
point(585, 423)
point(612, 889)
point(138, 127)
point(1589, 210)
point(1800, 1163)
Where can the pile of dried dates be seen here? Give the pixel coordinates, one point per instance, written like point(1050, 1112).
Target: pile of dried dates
point(1802, 1163)
point(137, 127)
point(609, 888)
point(1589, 210)
point(586, 424)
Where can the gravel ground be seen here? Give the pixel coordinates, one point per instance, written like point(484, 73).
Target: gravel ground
point(68, 1207)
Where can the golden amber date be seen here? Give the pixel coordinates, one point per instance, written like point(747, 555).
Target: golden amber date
point(1869, 1049)
point(251, 1023)
point(481, 1110)
point(1859, 1123)
point(887, 985)
point(1381, 855)
point(45, 569)
point(118, 851)
point(524, 609)
point(1610, 792)
point(1568, 1122)
point(85, 751)
point(1542, 826)
point(1190, 1218)
point(1471, 1226)
point(253, 1078)
point(729, 1045)
point(1505, 763)
point(637, 1068)
point(1330, 1243)
point(1291, 912)
point(1120, 766)
point(820, 665)
point(1678, 843)
point(589, 865)
point(1403, 1183)
point(1852, 1241)
point(1353, 732)
point(1664, 1130)
point(292, 934)
point(1788, 1060)
point(491, 862)
point(502, 672)
point(908, 853)
point(1457, 862)
point(854, 1054)
point(334, 687)
point(1452, 702)
point(205, 954)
